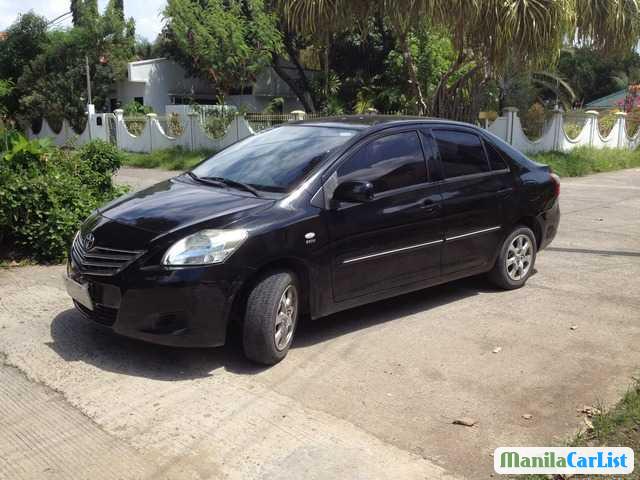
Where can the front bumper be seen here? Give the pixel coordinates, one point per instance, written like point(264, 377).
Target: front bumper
point(182, 307)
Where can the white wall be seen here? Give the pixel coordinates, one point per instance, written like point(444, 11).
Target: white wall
point(154, 80)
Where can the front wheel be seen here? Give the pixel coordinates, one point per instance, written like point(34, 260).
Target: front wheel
point(516, 259)
point(271, 317)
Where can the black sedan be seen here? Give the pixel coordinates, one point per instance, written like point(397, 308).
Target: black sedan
point(311, 218)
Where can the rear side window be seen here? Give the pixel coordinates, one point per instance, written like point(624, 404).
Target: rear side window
point(495, 159)
point(390, 162)
point(461, 153)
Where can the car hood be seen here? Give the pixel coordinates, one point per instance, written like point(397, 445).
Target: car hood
point(178, 203)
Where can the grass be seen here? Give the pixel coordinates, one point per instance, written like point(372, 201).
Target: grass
point(617, 427)
point(170, 159)
point(584, 161)
point(20, 262)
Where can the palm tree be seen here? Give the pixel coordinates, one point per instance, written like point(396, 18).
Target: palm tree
point(489, 31)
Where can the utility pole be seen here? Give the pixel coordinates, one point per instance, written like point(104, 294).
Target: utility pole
point(89, 99)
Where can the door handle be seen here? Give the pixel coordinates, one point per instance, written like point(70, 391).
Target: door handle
point(429, 206)
point(505, 192)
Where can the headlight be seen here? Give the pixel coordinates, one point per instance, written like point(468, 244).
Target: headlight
point(205, 247)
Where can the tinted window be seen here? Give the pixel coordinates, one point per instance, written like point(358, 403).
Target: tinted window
point(390, 162)
point(275, 160)
point(495, 159)
point(461, 153)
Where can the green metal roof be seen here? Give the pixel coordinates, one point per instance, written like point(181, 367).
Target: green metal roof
point(608, 101)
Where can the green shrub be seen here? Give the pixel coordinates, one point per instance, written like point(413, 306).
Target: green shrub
point(572, 129)
point(46, 192)
point(533, 121)
point(136, 108)
point(8, 136)
point(606, 122)
point(135, 125)
point(103, 160)
point(174, 125)
point(25, 154)
point(216, 125)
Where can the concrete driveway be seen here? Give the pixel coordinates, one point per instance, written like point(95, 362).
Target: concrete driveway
point(368, 393)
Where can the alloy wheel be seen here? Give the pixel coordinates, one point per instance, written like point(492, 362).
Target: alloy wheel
point(519, 256)
point(286, 317)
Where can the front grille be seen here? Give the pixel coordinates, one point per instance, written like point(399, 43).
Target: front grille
point(100, 314)
point(100, 260)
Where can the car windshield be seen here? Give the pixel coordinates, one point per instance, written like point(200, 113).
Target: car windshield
point(275, 160)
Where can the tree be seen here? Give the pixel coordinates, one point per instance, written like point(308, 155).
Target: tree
point(84, 12)
point(26, 39)
point(53, 82)
point(485, 33)
point(144, 49)
point(228, 42)
point(594, 75)
point(289, 53)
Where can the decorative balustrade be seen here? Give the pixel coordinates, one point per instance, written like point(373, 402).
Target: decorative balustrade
point(509, 128)
point(194, 136)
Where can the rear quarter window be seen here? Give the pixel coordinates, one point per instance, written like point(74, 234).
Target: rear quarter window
point(496, 162)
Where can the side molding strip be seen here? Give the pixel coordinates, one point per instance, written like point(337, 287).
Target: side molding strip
point(390, 252)
point(419, 245)
point(477, 232)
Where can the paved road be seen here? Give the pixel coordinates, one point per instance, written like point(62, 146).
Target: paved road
point(369, 393)
point(138, 178)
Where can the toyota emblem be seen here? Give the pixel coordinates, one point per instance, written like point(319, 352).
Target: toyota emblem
point(89, 241)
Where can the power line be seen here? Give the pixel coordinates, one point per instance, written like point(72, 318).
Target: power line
point(58, 22)
point(58, 19)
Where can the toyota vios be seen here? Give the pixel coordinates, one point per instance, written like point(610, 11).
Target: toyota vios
point(311, 218)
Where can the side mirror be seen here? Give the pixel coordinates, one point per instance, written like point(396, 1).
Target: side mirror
point(354, 191)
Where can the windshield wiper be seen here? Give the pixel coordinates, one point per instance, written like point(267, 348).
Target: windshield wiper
point(228, 182)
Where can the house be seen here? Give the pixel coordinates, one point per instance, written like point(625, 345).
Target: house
point(608, 102)
point(159, 82)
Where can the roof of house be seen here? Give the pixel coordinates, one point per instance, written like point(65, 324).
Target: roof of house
point(608, 101)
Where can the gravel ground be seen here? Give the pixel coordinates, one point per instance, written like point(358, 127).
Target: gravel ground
point(367, 393)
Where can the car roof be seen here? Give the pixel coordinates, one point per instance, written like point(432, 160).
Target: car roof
point(364, 122)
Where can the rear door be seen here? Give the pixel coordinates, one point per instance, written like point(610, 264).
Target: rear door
point(474, 187)
point(396, 238)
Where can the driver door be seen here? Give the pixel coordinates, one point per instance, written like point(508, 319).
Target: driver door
point(394, 239)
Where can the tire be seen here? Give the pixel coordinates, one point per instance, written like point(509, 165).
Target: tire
point(267, 314)
point(514, 265)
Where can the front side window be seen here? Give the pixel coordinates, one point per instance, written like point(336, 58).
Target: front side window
point(390, 162)
point(276, 160)
point(461, 153)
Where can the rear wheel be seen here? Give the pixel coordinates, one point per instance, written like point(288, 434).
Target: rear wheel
point(271, 317)
point(516, 259)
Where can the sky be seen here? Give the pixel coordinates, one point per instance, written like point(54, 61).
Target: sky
point(147, 13)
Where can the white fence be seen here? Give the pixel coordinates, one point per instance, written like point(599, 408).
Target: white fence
point(193, 136)
point(96, 128)
point(112, 127)
point(509, 128)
